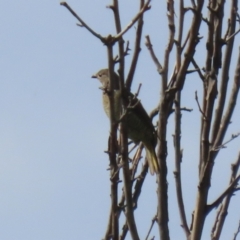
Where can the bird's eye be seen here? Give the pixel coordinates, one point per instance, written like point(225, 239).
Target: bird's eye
point(99, 75)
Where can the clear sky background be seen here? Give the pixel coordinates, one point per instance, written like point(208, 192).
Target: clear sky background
point(53, 131)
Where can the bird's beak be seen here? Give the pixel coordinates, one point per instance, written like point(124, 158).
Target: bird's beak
point(94, 76)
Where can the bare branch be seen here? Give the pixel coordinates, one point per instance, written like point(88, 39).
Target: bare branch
point(155, 60)
point(232, 36)
point(189, 71)
point(124, 231)
point(217, 38)
point(199, 107)
point(113, 150)
point(169, 47)
point(108, 234)
point(145, 7)
point(178, 160)
point(138, 186)
point(115, 9)
point(230, 108)
point(150, 229)
point(185, 42)
point(216, 222)
point(228, 141)
point(237, 232)
point(154, 112)
point(128, 192)
point(229, 191)
point(138, 91)
point(218, 226)
point(225, 73)
point(137, 49)
point(118, 36)
point(139, 183)
point(118, 59)
point(198, 69)
point(193, 40)
point(82, 23)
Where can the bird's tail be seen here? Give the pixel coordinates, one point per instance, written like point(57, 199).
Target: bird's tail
point(152, 159)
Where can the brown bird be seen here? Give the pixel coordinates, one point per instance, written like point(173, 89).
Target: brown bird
point(139, 125)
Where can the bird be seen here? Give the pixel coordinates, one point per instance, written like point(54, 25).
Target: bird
point(138, 123)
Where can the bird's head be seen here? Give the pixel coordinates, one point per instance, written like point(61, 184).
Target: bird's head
point(103, 77)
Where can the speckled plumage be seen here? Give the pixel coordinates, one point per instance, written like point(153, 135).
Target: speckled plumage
point(139, 125)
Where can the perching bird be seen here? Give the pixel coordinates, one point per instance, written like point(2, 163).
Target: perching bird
point(139, 125)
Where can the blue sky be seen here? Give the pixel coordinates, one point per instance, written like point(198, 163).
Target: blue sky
point(53, 131)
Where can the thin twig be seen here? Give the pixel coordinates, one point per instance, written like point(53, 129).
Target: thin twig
point(113, 150)
point(178, 160)
point(189, 71)
point(220, 132)
point(127, 185)
point(145, 7)
point(151, 226)
point(198, 69)
point(232, 36)
point(230, 190)
point(83, 24)
point(153, 55)
point(137, 49)
point(165, 108)
point(121, 51)
point(109, 38)
point(199, 107)
point(237, 232)
point(193, 3)
point(138, 185)
point(228, 141)
point(186, 109)
point(186, 41)
point(118, 59)
point(223, 89)
point(222, 213)
point(138, 91)
point(216, 221)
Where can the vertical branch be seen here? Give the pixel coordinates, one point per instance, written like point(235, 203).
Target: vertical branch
point(108, 233)
point(209, 43)
point(171, 26)
point(211, 153)
point(224, 207)
point(113, 150)
point(209, 98)
point(137, 188)
point(230, 108)
point(129, 211)
point(205, 124)
point(218, 42)
point(115, 9)
point(162, 213)
point(137, 50)
point(177, 135)
point(178, 160)
point(180, 33)
point(237, 232)
point(192, 42)
point(225, 71)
